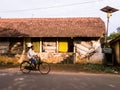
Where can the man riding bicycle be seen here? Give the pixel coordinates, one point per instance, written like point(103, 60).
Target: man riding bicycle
point(34, 58)
point(31, 54)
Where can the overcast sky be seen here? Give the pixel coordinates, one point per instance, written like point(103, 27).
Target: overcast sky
point(60, 8)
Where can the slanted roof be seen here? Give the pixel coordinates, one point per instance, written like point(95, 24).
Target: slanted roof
point(52, 27)
point(115, 40)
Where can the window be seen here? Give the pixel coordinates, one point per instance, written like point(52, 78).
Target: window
point(63, 46)
point(49, 45)
point(36, 44)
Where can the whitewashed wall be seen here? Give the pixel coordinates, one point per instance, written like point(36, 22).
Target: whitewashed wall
point(90, 51)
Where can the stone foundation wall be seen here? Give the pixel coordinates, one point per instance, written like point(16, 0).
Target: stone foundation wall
point(58, 57)
point(96, 58)
point(67, 58)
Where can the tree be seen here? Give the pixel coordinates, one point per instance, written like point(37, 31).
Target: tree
point(115, 34)
point(118, 29)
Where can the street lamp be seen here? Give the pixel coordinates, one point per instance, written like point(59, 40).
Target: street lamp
point(108, 56)
point(108, 10)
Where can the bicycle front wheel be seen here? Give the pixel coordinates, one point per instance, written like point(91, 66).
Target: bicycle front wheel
point(44, 68)
point(25, 67)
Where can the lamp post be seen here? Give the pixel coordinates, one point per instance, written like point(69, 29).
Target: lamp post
point(109, 10)
point(108, 56)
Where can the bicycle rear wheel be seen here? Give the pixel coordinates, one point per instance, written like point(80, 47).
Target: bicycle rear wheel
point(25, 67)
point(44, 68)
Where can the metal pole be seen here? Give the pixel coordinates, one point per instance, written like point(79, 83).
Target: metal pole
point(108, 16)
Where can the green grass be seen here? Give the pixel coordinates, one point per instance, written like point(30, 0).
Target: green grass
point(93, 68)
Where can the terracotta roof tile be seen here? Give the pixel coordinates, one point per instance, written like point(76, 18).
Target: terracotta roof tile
point(52, 27)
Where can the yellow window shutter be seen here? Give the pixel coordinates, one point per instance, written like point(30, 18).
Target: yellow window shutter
point(63, 46)
point(36, 46)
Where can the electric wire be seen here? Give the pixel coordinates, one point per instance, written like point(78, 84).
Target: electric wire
point(49, 7)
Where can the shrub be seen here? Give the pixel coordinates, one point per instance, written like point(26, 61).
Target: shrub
point(1, 63)
point(4, 60)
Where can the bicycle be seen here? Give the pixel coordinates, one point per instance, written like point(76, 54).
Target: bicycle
point(28, 66)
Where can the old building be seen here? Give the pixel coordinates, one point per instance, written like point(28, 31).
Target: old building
point(115, 44)
point(58, 40)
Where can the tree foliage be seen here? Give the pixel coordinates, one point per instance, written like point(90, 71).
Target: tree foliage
point(118, 29)
point(115, 34)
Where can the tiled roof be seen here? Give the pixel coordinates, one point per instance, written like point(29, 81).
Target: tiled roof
point(52, 27)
